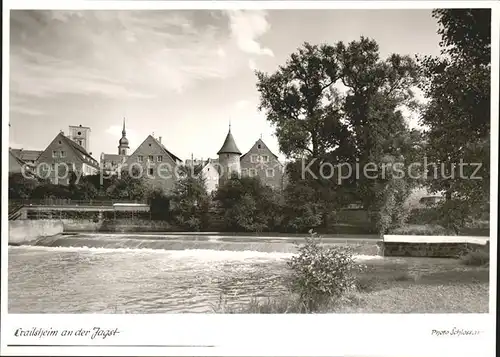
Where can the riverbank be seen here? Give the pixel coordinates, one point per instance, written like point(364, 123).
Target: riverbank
point(396, 286)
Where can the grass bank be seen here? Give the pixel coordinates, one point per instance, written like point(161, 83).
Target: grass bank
point(404, 285)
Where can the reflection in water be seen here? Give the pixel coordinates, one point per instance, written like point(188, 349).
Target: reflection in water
point(85, 274)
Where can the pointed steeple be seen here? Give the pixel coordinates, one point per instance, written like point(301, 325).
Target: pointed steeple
point(123, 130)
point(123, 143)
point(229, 146)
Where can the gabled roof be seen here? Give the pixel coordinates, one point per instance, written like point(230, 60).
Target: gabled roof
point(263, 144)
point(229, 146)
point(79, 150)
point(174, 157)
point(26, 155)
point(16, 158)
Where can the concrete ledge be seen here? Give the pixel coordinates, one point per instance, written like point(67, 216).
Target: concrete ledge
point(435, 239)
point(430, 246)
point(25, 231)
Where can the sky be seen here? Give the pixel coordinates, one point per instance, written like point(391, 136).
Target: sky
point(182, 75)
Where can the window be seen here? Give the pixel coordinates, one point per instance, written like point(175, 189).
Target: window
point(80, 142)
point(259, 146)
point(270, 172)
point(79, 133)
point(54, 153)
point(252, 172)
point(150, 158)
point(123, 151)
point(254, 158)
point(140, 158)
point(151, 171)
point(63, 153)
point(265, 158)
point(159, 158)
point(60, 142)
point(244, 172)
point(53, 166)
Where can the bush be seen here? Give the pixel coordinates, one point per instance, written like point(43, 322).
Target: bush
point(422, 230)
point(320, 275)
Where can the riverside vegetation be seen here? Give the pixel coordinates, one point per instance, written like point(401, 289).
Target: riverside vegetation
point(323, 279)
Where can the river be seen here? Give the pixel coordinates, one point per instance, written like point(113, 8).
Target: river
point(99, 273)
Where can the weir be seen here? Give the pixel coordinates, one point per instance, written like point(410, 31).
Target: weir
point(194, 242)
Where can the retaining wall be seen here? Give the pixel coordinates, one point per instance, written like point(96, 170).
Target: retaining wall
point(25, 231)
point(430, 246)
point(126, 225)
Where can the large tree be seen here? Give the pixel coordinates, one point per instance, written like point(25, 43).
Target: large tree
point(458, 112)
point(363, 123)
point(189, 201)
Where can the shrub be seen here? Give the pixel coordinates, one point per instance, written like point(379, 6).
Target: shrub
point(320, 275)
point(422, 230)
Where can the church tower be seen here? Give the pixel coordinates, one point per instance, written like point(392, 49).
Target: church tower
point(123, 143)
point(229, 158)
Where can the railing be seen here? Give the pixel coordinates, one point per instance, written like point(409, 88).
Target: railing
point(15, 211)
point(68, 202)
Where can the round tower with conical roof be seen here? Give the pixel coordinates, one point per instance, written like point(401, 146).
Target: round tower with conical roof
point(229, 158)
point(123, 143)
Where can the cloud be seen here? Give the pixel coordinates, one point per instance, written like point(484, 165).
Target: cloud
point(115, 54)
point(246, 27)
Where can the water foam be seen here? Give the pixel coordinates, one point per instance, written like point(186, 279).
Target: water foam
point(199, 254)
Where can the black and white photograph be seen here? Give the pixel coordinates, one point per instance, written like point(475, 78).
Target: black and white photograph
point(249, 159)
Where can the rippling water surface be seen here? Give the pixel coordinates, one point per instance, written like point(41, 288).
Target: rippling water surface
point(86, 274)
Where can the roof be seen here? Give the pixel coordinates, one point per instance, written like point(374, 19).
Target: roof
point(168, 152)
point(16, 158)
point(261, 142)
point(113, 157)
point(79, 150)
point(79, 126)
point(229, 146)
point(26, 155)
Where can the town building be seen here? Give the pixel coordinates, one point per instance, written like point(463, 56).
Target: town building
point(80, 135)
point(229, 159)
point(155, 163)
point(16, 165)
point(111, 162)
point(259, 162)
point(63, 155)
point(208, 171)
point(27, 156)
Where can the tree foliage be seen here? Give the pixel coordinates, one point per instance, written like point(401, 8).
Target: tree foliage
point(249, 205)
point(189, 200)
point(458, 112)
point(362, 124)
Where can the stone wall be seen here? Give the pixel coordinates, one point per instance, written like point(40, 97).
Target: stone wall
point(25, 231)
